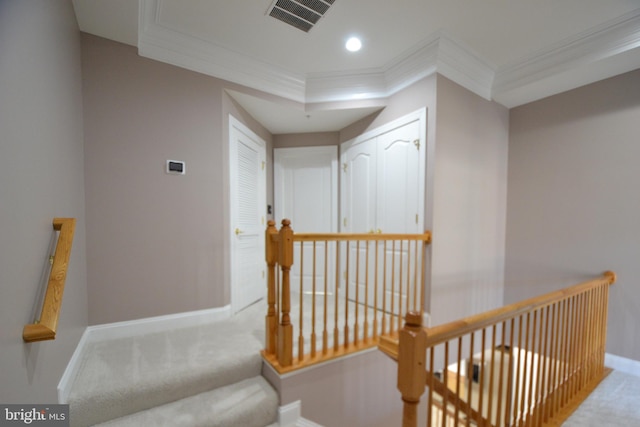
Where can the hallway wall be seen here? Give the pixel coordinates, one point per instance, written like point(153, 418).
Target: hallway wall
point(573, 203)
point(42, 177)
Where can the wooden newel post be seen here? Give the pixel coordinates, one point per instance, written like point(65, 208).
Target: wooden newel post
point(271, 256)
point(285, 329)
point(412, 375)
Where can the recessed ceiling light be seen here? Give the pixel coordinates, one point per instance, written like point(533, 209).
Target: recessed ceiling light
point(353, 44)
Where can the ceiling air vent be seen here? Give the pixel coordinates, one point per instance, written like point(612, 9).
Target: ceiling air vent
point(302, 14)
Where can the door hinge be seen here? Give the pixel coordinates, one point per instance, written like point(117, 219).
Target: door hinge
point(417, 218)
point(263, 164)
point(416, 142)
point(344, 167)
point(344, 222)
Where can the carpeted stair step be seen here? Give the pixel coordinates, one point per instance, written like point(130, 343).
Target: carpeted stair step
point(123, 376)
point(248, 403)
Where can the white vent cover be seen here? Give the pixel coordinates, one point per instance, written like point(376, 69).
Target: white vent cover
point(302, 14)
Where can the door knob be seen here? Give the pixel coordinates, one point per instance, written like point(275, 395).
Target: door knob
point(238, 231)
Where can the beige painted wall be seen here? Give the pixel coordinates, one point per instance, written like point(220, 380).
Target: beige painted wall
point(41, 178)
point(356, 391)
point(156, 243)
point(573, 203)
point(469, 203)
point(467, 146)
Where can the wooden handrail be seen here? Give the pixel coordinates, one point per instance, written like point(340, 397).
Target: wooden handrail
point(332, 237)
point(448, 331)
point(531, 362)
point(45, 328)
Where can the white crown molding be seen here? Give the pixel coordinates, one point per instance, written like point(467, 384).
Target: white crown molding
point(547, 72)
point(572, 55)
point(159, 42)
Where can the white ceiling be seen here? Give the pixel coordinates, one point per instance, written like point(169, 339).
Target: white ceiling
point(511, 51)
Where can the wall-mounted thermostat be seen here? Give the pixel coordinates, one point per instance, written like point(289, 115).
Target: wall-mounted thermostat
point(176, 167)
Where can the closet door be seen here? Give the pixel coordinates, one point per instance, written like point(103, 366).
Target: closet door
point(359, 165)
point(383, 192)
point(399, 206)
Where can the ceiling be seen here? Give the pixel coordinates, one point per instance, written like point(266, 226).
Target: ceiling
point(510, 51)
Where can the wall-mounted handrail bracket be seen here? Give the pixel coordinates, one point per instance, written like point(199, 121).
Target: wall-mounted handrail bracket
point(45, 328)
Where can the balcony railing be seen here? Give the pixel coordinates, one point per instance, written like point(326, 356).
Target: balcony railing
point(525, 364)
point(333, 294)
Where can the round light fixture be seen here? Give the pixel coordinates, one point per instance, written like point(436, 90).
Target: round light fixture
point(353, 44)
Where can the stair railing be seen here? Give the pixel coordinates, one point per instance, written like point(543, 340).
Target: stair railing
point(525, 364)
point(333, 294)
point(45, 328)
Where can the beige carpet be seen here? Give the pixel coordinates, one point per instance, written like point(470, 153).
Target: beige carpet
point(123, 376)
point(614, 403)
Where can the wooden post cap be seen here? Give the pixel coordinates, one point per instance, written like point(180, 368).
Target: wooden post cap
point(413, 318)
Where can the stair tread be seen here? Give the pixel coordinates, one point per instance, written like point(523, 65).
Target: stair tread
point(122, 376)
point(248, 403)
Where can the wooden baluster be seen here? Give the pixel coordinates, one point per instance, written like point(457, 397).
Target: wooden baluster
point(301, 307)
point(509, 396)
point(325, 332)
point(470, 376)
point(384, 288)
point(517, 410)
point(532, 351)
point(503, 351)
point(271, 255)
point(346, 298)
point(411, 367)
point(482, 373)
point(375, 292)
point(336, 304)
point(365, 305)
point(285, 330)
point(393, 288)
point(356, 324)
point(492, 365)
point(458, 379)
point(313, 304)
point(526, 376)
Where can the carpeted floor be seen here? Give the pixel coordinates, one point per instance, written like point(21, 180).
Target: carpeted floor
point(615, 403)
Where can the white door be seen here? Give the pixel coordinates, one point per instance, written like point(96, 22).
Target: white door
point(248, 206)
point(383, 192)
point(305, 191)
point(400, 204)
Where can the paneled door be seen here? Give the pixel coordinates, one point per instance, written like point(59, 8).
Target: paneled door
point(305, 191)
point(383, 192)
point(247, 155)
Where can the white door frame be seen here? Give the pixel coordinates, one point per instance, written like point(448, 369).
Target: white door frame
point(284, 158)
point(236, 126)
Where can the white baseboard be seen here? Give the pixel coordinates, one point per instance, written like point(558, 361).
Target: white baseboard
point(622, 364)
point(291, 416)
point(132, 328)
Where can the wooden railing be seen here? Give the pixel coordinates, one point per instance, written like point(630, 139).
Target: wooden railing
point(45, 328)
point(526, 364)
point(333, 294)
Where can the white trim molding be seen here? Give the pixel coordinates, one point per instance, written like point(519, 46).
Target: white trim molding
point(110, 331)
point(290, 415)
point(603, 51)
point(622, 364)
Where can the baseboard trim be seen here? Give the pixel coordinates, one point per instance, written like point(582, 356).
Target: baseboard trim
point(622, 364)
point(291, 416)
point(130, 328)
